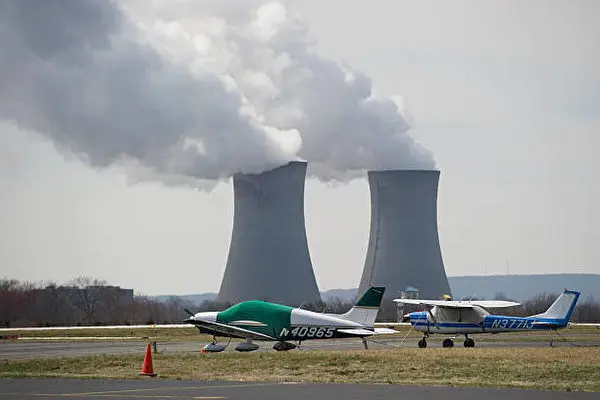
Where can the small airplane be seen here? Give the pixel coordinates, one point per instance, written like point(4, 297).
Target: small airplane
point(469, 317)
point(260, 320)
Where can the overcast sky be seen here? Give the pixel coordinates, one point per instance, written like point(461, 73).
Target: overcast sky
point(506, 95)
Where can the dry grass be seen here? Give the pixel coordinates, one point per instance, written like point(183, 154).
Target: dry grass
point(535, 368)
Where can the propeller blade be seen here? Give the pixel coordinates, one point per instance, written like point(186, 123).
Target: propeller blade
point(189, 312)
point(433, 318)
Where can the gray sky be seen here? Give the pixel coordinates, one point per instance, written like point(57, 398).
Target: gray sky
point(507, 97)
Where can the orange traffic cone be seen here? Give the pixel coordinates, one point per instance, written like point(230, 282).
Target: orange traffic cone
point(147, 368)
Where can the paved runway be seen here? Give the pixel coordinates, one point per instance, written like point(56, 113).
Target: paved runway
point(162, 389)
point(24, 349)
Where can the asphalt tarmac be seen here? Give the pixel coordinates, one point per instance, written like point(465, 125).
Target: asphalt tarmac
point(28, 349)
point(153, 388)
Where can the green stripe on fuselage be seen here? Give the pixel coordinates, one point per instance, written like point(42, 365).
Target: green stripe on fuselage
point(275, 316)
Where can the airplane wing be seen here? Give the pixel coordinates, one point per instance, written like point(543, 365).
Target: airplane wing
point(229, 330)
point(495, 303)
point(460, 304)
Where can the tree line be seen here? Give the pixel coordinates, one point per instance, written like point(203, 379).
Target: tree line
point(87, 301)
point(84, 301)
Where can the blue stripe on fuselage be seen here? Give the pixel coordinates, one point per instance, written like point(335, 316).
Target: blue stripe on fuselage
point(419, 319)
point(491, 323)
point(447, 324)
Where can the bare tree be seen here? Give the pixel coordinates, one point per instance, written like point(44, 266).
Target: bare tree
point(87, 296)
point(337, 305)
point(538, 303)
point(587, 311)
point(10, 299)
point(90, 301)
point(52, 307)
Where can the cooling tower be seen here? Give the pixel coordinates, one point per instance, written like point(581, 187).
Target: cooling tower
point(404, 248)
point(268, 255)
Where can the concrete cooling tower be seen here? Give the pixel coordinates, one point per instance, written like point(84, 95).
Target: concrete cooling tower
point(404, 248)
point(268, 255)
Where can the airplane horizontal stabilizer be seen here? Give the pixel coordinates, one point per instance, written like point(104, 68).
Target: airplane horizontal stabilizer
point(548, 324)
point(368, 332)
point(357, 332)
point(385, 331)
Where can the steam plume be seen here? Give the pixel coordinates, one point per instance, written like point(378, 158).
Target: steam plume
point(74, 71)
point(193, 90)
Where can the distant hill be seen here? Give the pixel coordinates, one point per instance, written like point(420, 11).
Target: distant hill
point(343, 294)
point(515, 287)
point(523, 287)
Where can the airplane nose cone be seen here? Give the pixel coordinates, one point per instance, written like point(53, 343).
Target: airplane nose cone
point(209, 316)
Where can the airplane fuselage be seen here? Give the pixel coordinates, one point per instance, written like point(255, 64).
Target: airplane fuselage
point(277, 322)
point(489, 324)
point(470, 317)
point(261, 320)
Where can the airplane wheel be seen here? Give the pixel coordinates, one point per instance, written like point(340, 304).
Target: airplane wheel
point(469, 343)
point(422, 343)
point(448, 343)
point(283, 346)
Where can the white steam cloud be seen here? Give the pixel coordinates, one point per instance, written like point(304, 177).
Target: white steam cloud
point(192, 90)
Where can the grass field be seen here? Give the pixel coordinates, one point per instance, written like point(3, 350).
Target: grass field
point(576, 369)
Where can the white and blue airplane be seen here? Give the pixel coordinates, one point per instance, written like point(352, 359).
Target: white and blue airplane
point(469, 317)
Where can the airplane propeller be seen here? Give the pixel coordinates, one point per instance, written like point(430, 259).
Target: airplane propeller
point(189, 312)
point(433, 318)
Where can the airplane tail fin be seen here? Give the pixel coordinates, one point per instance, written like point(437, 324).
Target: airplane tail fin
point(560, 311)
point(366, 308)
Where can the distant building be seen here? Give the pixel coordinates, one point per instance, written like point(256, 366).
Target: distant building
point(408, 293)
point(115, 294)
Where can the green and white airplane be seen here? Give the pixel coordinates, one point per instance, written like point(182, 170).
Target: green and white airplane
point(259, 320)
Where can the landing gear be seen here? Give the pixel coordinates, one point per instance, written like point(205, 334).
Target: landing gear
point(364, 340)
point(247, 345)
point(448, 343)
point(469, 342)
point(423, 342)
point(284, 346)
point(214, 347)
